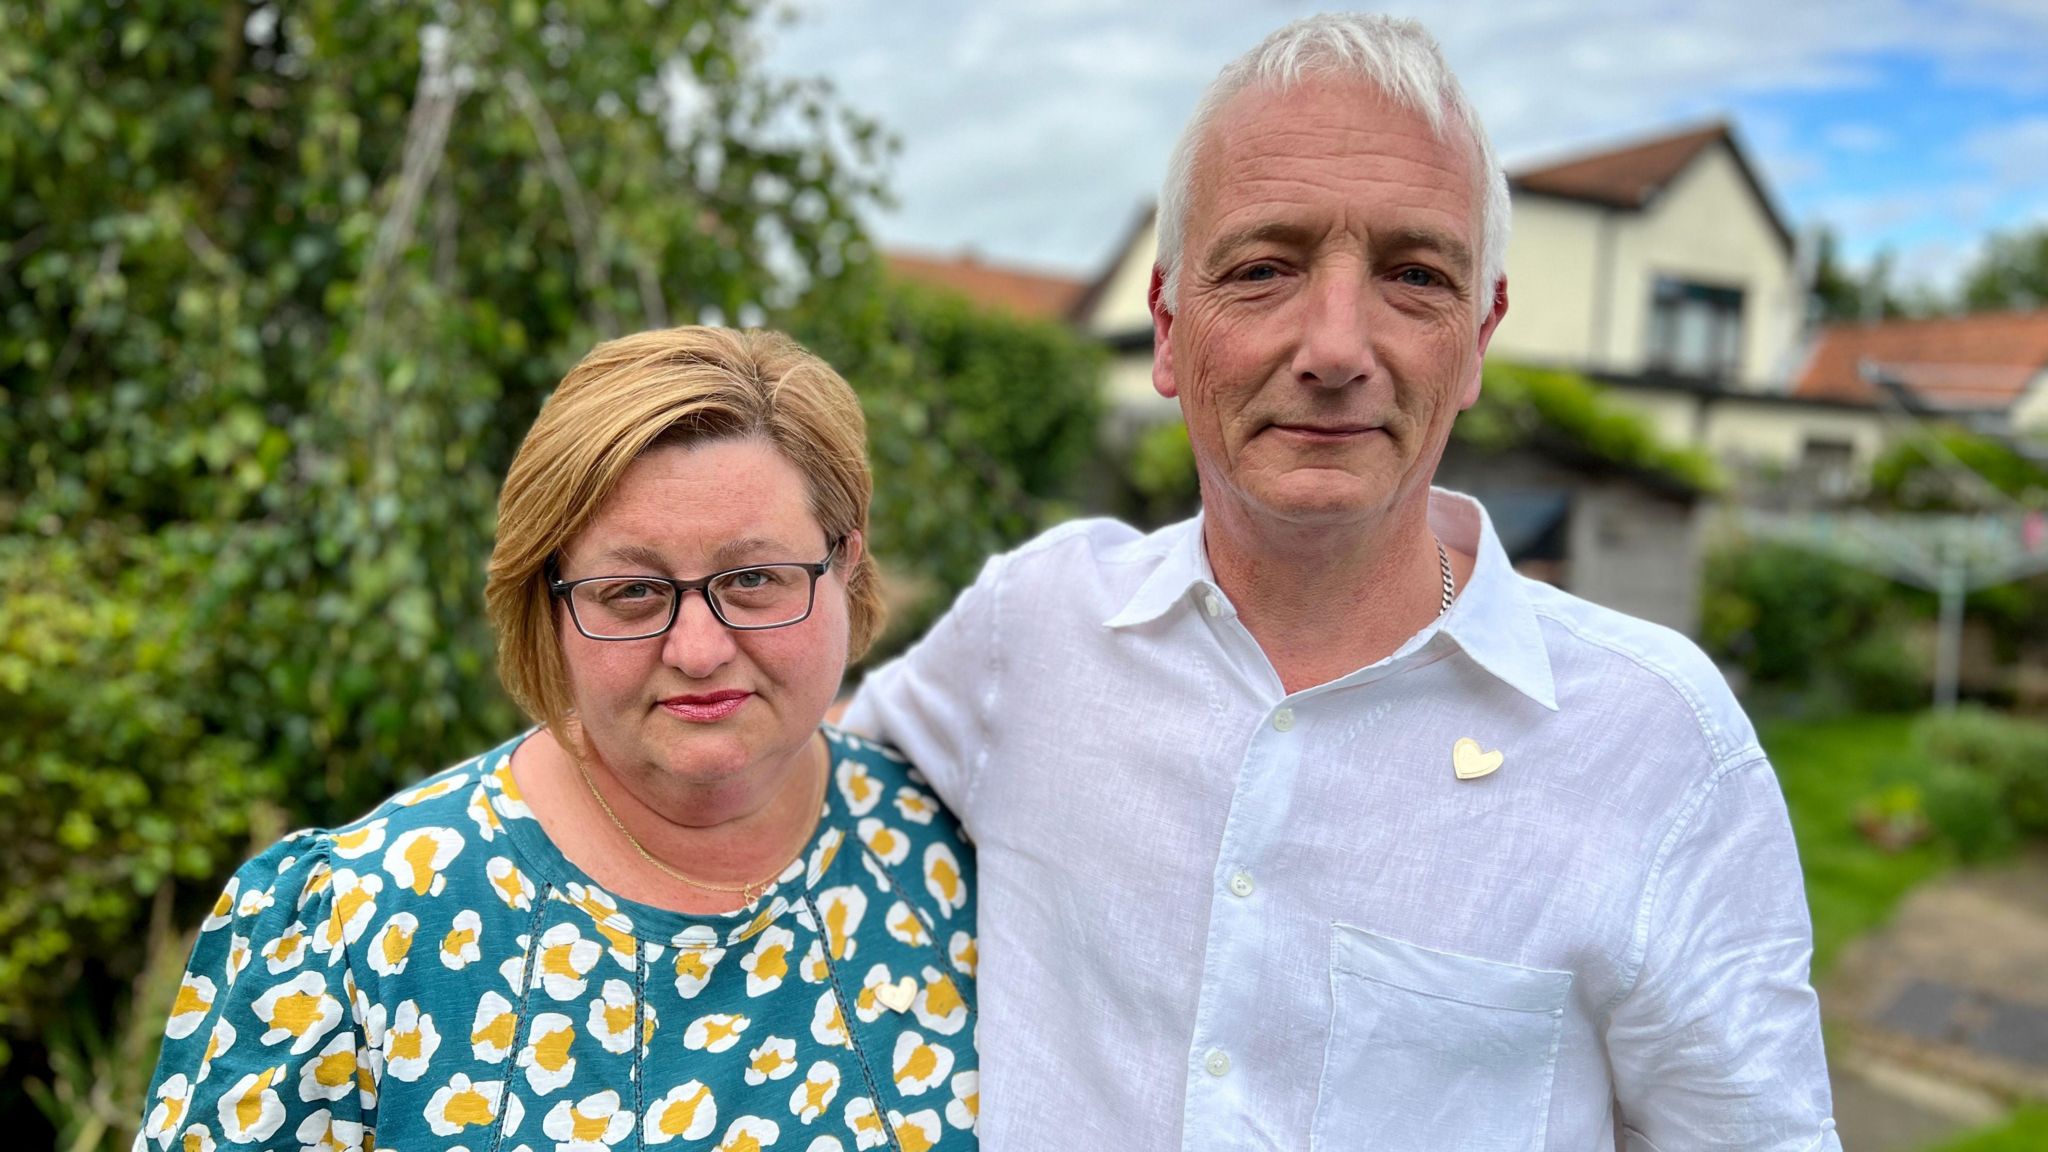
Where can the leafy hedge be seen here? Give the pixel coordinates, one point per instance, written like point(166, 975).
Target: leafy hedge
point(1798, 622)
point(1518, 404)
point(1989, 791)
point(979, 423)
point(281, 286)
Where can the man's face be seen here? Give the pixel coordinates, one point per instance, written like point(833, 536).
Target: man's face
point(1328, 328)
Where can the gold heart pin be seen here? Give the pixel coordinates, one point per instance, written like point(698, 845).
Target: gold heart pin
point(1470, 763)
point(899, 996)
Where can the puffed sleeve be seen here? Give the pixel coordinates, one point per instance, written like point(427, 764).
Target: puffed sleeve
point(933, 702)
point(1717, 1044)
point(266, 1045)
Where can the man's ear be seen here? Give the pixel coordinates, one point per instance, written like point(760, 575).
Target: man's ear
point(1487, 325)
point(1162, 324)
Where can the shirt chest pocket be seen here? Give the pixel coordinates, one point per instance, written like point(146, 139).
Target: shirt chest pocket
point(1433, 1050)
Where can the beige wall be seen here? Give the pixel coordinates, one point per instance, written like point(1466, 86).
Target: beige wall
point(1737, 430)
point(1128, 384)
point(1122, 307)
point(1778, 433)
point(2031, 411)
point(1553, 260)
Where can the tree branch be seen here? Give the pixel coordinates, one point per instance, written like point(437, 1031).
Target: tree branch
point(582, 223)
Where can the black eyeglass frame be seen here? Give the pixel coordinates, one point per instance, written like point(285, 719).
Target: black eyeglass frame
point(564, 590)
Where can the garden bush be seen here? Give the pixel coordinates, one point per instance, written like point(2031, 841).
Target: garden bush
point(1992, 789)
point(1800, 623)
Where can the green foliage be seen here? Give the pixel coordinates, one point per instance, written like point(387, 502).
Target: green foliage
point(1922, 474)
point(977, 423)
point(1518, 404)
point(2012, 273)
point(1830, 770)
point(280, 288)
point(1161, 471)
point(116, 784)
point(2024, 1131)
point(1991, 790)
point(95, 1079)
point(1795, 620)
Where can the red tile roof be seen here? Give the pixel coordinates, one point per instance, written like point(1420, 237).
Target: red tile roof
point(1633, 175)
point(1624, 177)
point(1959, 363)
point(1033, 295)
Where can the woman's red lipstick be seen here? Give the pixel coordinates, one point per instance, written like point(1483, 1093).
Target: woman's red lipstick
point(707, 708)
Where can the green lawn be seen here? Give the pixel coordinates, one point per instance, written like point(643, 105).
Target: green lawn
point(1828, 767)
point(2025, 1131)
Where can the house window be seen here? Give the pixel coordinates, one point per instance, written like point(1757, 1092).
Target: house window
point(1695, 329)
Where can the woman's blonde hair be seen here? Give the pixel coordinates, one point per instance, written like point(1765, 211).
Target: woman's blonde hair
point(677, 386)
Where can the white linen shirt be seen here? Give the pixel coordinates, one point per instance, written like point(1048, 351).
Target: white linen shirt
point(1219, 915)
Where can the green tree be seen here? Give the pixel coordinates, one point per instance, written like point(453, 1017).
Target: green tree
point(280, 288)
point(2012, 273)
point(1837, 294)
point(979, 424)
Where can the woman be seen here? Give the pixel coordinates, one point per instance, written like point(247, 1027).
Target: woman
point(680, 910)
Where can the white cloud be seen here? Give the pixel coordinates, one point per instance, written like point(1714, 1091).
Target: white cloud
point(1033, 128)
point(1858, 136)
point(2015, 152)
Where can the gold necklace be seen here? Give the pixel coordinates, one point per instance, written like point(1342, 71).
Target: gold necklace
point(747, 893)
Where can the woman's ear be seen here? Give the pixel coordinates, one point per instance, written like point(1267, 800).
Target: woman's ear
point(854, 547)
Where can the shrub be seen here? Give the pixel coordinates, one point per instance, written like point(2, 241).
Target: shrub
point(1795, 620)
point(2009, 755)
point(979, 424)
point(1518, 403)
point(116, 784)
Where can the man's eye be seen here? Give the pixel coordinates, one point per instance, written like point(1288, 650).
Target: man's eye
point(1419, 278)
point(1258, 273)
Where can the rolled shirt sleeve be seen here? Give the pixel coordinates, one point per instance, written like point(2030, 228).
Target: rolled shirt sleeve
point(933, 702)
point(1717, 1041)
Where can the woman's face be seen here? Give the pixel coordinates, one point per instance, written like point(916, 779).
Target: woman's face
point(704, 705)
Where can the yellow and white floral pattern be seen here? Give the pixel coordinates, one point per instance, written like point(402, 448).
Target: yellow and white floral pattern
point(437, 975)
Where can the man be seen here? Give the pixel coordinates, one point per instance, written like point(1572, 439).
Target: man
point(1309, 822)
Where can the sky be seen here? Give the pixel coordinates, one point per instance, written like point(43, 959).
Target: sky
point(1032, 132)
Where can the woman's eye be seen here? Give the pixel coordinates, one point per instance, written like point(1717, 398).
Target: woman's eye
point(753, 579)
point(634, 591)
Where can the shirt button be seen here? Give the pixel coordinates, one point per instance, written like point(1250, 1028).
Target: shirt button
point(1283, 720)
point(1217, 1062)
point(1241, 884)
point(1211, 604)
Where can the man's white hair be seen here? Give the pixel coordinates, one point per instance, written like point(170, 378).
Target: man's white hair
point(1395, 56)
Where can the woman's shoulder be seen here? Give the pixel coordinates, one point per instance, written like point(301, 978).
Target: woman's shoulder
point(408, 841)
point(876, 781)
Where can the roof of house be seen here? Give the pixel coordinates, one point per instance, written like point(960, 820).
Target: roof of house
point(1633, 176)
point(1033, 295)
point(1951, 363)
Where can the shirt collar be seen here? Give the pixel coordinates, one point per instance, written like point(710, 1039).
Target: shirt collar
point(1182, 563)
point(1491, 620)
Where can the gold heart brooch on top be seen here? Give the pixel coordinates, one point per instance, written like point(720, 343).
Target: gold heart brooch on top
point(1470, 763)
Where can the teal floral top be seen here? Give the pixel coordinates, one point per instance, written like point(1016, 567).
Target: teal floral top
point(437, 975)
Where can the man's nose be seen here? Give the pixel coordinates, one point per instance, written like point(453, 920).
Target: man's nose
point(1335, 344)
point(699, 644)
